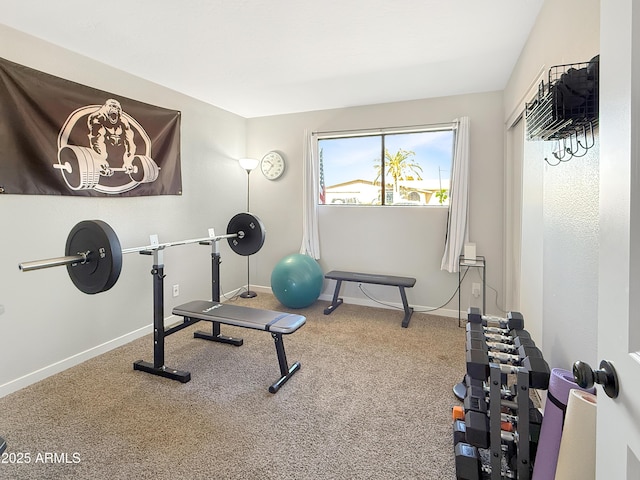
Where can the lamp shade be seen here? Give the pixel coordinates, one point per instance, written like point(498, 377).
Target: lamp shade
point(248, 163)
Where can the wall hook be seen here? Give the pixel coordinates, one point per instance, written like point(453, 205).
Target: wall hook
point(578, 146)
point(588, 143)
point(561, 152)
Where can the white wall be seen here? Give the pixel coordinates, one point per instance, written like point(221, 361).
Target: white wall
point(48, 325)
point(560, 204)
point(391, 240)
point(532, 270)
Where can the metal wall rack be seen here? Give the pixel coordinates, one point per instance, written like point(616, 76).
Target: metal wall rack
point(566, 109)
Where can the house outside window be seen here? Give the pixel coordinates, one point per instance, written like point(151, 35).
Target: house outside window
point(396, 168)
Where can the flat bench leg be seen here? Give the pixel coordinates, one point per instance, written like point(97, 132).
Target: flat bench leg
point(336, 302)
point(285, 371)
point(216, 336)
point(408, 311)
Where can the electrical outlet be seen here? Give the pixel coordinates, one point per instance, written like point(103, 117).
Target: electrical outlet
point(176, 290)
point(475, 289)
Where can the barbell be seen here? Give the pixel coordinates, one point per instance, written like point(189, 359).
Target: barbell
point(93, 255)
point(81, 168)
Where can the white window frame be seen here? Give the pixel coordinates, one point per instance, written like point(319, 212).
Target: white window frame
point(382, 132)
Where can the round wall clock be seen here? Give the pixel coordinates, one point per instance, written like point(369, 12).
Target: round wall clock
point(272, 165)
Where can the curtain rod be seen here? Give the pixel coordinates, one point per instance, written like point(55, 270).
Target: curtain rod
point(387, 129)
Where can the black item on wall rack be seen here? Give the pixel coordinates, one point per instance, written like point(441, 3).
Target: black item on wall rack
point(566, 106)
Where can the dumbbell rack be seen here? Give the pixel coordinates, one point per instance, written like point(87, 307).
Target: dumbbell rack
point(491, 458)
point(492, 462)
point(523, 463)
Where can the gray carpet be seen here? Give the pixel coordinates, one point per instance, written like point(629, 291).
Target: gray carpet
point(371, 401)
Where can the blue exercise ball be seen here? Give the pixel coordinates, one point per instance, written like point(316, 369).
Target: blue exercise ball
point(296, 280)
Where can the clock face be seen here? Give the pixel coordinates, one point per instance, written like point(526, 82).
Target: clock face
point(272, 165)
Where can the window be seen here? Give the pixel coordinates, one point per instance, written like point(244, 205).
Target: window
point(389, 168)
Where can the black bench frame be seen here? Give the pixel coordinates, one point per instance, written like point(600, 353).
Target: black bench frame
point(200, 310)
point(158, 366)
point(391, 280)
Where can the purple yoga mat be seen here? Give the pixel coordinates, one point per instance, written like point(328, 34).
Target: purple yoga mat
point(560, 383)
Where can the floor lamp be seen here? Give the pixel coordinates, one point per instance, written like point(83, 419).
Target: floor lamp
point(248, 164)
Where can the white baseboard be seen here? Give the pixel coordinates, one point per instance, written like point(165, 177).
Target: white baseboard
point(365, 302)
point(72, 361)
point(42, 373)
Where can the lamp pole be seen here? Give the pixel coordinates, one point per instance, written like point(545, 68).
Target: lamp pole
point(249, 164)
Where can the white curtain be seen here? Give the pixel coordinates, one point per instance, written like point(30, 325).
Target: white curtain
point(457, 226)
point(310, 195)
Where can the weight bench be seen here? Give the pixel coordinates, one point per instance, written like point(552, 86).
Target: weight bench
point(400, 282)
point(276, 323)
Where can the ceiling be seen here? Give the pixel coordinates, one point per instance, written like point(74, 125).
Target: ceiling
point(268, 57)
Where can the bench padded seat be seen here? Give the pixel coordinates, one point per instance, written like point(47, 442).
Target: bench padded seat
point(237, 315)
point(371, 278)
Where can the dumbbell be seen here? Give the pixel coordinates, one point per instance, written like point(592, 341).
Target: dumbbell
point(478, 386)
point(475, 413)
point(503, 357)
point(503, 336)
point(523, 347)
point(477, 390)
point(478, 432)
point(513, 321)
point(478, 349)
point(475, 430)
point(515, 337)
point(481, 391)
point(476, 401)
point(538, 369)
point(510, 347)
point(468, 465)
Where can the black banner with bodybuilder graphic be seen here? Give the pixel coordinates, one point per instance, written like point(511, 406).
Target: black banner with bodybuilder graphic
point(58, 137)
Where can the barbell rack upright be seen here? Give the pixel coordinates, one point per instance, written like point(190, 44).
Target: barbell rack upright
point(215, 335)
point(159, 331)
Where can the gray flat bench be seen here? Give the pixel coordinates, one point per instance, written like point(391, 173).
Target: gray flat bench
point(276, 323)
point(400, 282)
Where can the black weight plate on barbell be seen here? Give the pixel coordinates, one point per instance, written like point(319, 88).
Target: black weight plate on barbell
point(104, 261)
point(254, 233)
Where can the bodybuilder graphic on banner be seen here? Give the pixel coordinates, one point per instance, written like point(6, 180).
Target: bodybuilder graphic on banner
point(111, 140)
